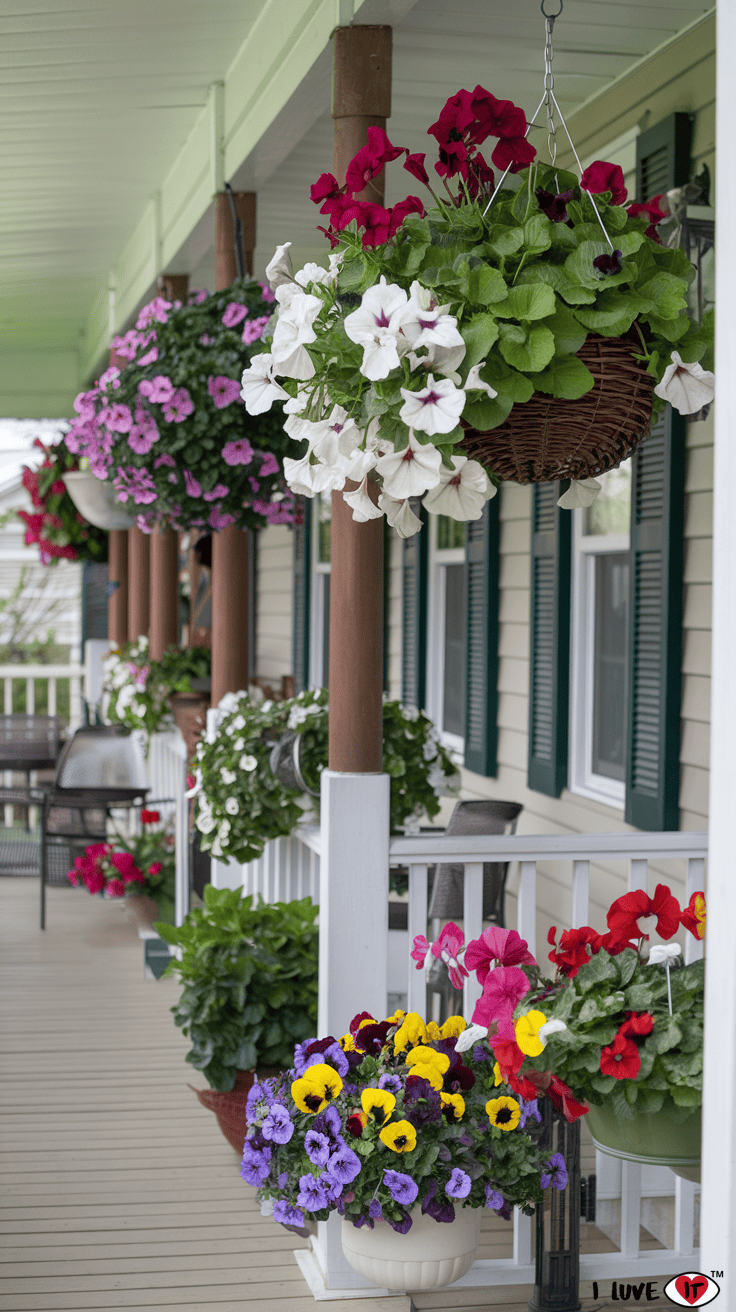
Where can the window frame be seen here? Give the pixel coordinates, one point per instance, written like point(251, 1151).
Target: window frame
point(438, 559)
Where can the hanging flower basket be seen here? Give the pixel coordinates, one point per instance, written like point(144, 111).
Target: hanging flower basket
point(547, 438)
point(669, 1137)
point(428, 1257)
point(95, 499)
point(55, 524)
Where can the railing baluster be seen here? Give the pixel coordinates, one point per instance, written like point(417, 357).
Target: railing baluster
point(417, 920)
point(684, 1216)
point(8, 774)
point(527, 906)
point(473, 927)
point(580, 893)
point(75, 702)
point(638, 873)
point(314, 862)
point(630, 1208)
point(522, 1237)
point(30, 696)
point(52, 695)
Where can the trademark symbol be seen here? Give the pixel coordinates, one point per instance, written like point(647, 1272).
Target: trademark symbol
point(716, 1275)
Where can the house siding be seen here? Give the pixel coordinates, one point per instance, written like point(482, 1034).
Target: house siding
point(274, 601)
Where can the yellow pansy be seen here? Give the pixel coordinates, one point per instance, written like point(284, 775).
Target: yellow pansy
point(432, 1074)
point(428, 1057)
point(412, 1030)
point(378, 1103)
point(527, 1033)
point(505, 1113)
point(397, 1017)
point(453, 1026)
point(316, 1088)
point(399, 1136)
point(454, 1101)
point(497, 1074)
point(368, 1021)
point(347, 1043)
point(433, 1031)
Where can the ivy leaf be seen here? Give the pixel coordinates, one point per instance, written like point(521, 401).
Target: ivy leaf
point(530, 301)
point(526, 349)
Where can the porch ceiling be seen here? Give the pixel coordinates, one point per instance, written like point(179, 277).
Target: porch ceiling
point(98, 100)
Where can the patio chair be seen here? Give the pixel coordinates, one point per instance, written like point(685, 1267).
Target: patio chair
point(27, 742)
point(100, 767)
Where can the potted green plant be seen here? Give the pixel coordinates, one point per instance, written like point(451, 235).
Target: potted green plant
point(404, 1136)
point(523, 332)
point(249, 992)
point(168, 433)
point(141, 869)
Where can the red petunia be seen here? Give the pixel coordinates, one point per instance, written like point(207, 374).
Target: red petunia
point(653, 211)
point(621, 1059)
point(601, 176)
point(637, 1023)
point(149, 817)
point(455, 118)
point(412, 205)
point(326, 185)
point(562, 1100)
point(624, 914)
point(693, 917)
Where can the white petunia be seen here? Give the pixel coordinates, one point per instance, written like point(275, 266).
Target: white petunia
point(231, 806)
point(279, 269)
point(410, 472)
point(206, 822)
point(361, 505)
point(663, 952)
point(259, 388)
point(687, 387)
point(315, 273)
point(307, 479)
point(228, 776)
point(582, 492)
point(425, 323)
point(474, 382)
point(293, 332)
point(435, 409)
point(462, 491)
point(400, 516)
point(376, 326)
point(469, 1037)
point(335, 436)
point(248, 763)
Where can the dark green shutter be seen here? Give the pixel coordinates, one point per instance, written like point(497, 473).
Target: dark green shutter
point(414, 622)
point(655, 637)
point(663, 156)
point(481, 614)
point(549, 655)
point(302, 579)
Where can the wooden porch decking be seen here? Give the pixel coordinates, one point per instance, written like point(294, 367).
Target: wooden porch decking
point(117, 1190)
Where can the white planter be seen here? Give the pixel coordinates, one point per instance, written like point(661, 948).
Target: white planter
point(431, 1255)
point(95, 499)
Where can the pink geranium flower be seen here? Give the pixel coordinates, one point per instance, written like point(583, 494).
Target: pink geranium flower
point(219, 491)
point(159, 389)
point(234, 314)
point(180, 405)
point(503, 946)
point(115, 888)
point(239, 452)
point(447, 948)
point(194, 489)
point(223, 390)
point(504, 987)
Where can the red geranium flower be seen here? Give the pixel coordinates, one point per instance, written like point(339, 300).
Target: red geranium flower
point(456, 117)
point(371, 159)
point(625, 913)
point(495, 118)
point(414, 164)
point(513, 153)
point(572, 952)
point(600, 176)
point(654, 212)
point(150, 817)
point(621, 1059)
point(412, 205)
point(693, 917)
point(326, 185)
point(637, 1023)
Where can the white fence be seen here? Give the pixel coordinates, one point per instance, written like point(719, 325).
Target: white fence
point(28, 676)
point(167, 770)
point(289, 868)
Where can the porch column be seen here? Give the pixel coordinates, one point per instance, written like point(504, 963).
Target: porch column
point(174, 286)
point(353, 933)
point(139, 602)
point(164, 591)
point(117, 574)
point(230, 545)
point(718, 1199)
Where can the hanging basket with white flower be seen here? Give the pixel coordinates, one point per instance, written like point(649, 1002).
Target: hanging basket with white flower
point(527, 332)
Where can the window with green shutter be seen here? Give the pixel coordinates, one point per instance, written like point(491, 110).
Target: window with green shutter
point(481, 620)
point(414, 618)
point(549, 637)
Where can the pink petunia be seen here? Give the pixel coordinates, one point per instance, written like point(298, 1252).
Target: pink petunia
point(234, 314)
point(141, 439)
point(159, 389)
point(164, 459)
point(218, 520)
point(239, 452)
point(269, 464)
point(267, 294)
point(602, 176)
point(119, 420)
point(194, 489)
point(504, 987)
point(447, 949)
point(150, 357)
point(217, 492)
point(196, 298)
point(180, 405)
point(254, 329)
point(420, 950)
point(504, 946)
point(157, 311)
point(223, 390)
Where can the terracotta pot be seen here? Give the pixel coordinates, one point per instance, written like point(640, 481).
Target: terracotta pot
point(430, 1255)
point(229, 1108)
point(190, 713)
point(660, 1138)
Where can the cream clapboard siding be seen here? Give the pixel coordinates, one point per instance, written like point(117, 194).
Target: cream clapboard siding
point(681, 78)
point(274, 600)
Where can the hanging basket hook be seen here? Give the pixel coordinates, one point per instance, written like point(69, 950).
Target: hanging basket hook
point(556, 14)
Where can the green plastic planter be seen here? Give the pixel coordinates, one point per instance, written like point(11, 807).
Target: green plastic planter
point(660, 1138)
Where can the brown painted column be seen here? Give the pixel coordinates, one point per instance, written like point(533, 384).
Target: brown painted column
point(361, 99)
point(117, 573)
point(230, 546)
point(164, 572)
point(174, 286)
point(139, 600)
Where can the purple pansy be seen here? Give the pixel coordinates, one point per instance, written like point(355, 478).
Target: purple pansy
point(343, 1165)
point(375, 1211)
point(529, 1111)
point(403, 1224)
point(459, 1184)
point(278, 1125)
point(285, 1214)
point(390, 1082)
point(311, 1196)
point(317, 1147)
point(332, 1188)
point(494, 1199)
point(401, 1187)
point(328, 1122)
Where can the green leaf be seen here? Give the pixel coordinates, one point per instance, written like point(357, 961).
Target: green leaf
point(537, 234)
point(481, 284)
point(555, 276)
point(665, 293)
point(488, 413)
point(615, 317)
point(479, 334)
point(568, 332)
point(505, 241)
point(639, 997)
point(580, 268)
point(526, 349)
point(565, 377)
point(529, 301)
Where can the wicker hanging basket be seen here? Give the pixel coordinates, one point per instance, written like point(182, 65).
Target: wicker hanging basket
point(546, 438)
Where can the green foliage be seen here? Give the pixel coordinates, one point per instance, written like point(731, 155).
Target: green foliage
point(249, 977)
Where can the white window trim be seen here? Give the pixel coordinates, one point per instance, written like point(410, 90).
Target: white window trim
point(318, 570)
point(582, 779)
point(436, 578)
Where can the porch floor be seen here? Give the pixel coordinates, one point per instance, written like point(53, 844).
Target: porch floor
point(117, 1190)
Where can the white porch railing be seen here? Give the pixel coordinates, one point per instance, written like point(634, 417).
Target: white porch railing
point(290, 868)
point(167, 770)
point(28, 676)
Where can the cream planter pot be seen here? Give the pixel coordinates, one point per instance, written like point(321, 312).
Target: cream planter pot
point(95, 499)
point(431, 1255)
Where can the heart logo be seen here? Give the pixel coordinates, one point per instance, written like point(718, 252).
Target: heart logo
point(691, 1289)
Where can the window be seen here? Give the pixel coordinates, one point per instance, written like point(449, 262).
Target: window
point(446, 653)
point(600, 641)
point(319, 643)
